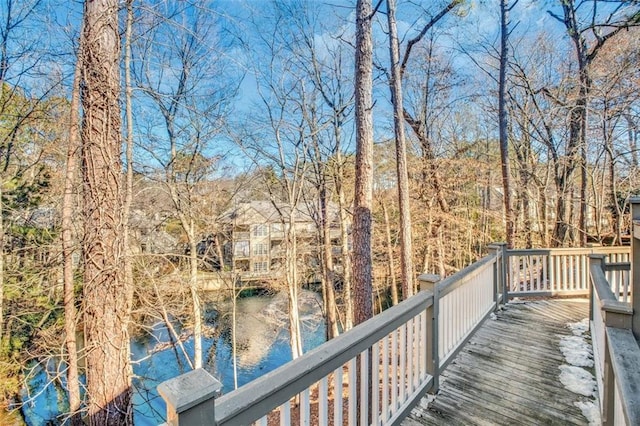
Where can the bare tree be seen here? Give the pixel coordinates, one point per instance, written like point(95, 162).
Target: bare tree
point(418, 122)
point(128, 184)
point(324, 60)
point(68, 246)
point(362, 220)
point(178, 69)
point(588, 40)
point(286, 162)
point(502, 117)
point(614, 96)
point(395, 83)
point(329, 78)
point(105, 302)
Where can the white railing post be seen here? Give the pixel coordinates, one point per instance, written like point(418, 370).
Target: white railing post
point(190, 398)
point(500, 272)
point(595, 260)
point(635, 264)
point(500, 249)
point(429, 282)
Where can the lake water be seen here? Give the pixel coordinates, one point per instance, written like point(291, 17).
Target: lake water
point(262, 341)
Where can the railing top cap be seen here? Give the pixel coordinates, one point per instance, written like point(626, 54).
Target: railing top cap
point(497, 244)
point(431, 278)
point(189, 389)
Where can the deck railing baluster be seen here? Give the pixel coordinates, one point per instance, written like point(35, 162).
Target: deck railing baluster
point(337, 398)
point(323, 401)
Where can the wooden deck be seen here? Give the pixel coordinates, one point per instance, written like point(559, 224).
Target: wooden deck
point(508, 373)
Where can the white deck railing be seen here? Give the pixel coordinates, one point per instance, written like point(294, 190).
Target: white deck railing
point(556, 272)
point(372, 374)
point(615, 349)
point(466, 298)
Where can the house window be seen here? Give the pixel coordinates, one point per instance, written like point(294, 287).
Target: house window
point(260, 230)
point(260, 250)
point(241, 249)
point(260, 266)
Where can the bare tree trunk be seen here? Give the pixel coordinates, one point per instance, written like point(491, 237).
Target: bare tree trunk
point(395, 83)
point(362, 219)
point(346, 255)
point(169, 325)
point(128, 195)
point(70, 311)
point(442, 271)
point(2, 325)
point(234, 340)
point(632, 136)
point(392, 267)
point(584, 180)
point(526, 208)
point(295, 336)
point(193, 288)
point(616, 211)
point(502, 118)
point(544, 214)
point(599, 190)
point(106, 305)
point(328, 274)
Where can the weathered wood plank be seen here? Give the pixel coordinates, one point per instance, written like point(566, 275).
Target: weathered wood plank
point(486, 408)
point(508, 373)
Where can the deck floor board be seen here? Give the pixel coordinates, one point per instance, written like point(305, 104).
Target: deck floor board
point(508, 373)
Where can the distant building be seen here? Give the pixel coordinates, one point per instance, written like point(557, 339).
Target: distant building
point(254, 240)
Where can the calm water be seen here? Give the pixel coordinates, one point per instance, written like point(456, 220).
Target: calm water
point(263, 345)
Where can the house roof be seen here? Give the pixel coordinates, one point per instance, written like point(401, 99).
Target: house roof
point(261, 211)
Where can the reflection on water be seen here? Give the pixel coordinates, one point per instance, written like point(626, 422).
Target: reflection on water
point(262, 342)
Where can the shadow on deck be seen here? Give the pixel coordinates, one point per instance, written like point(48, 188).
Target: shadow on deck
point(509, 372)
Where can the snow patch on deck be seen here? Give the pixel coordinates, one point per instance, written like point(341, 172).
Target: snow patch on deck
point(576, 351)
point(577, 380)
point(591, 411)
point(574, 376)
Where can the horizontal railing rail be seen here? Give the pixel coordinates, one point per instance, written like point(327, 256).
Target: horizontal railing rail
point(372, 374)
point(618, 276)
point(563, 271)
point(616, 352)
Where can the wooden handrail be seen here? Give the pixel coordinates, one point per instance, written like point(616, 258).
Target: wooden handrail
point(617, 266)
point(615, 350)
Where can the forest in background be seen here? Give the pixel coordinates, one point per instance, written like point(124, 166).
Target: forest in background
point(490, 121)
